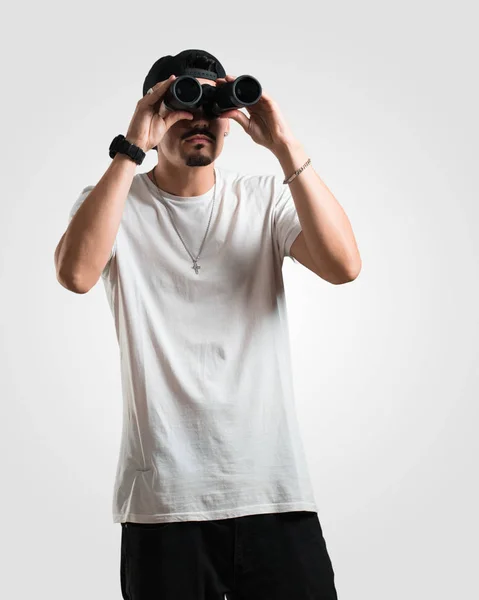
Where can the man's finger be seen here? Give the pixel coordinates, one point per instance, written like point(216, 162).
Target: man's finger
point(158, 90)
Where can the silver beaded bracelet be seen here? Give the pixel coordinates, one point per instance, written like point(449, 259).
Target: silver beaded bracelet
point(296, 173)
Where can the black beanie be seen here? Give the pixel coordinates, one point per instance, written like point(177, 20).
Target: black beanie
point(184, 63)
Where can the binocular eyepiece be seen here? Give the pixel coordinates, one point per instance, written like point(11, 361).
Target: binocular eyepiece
point(188, 94)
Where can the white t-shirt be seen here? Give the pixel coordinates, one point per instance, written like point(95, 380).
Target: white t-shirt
point(209, 421)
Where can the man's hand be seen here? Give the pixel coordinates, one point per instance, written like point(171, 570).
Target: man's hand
point(266, 124)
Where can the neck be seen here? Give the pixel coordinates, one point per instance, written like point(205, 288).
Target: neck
point(183, 180)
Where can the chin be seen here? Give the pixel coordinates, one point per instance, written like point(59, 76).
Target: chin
point(199, 160)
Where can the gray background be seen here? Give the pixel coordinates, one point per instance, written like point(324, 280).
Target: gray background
point(384, 98)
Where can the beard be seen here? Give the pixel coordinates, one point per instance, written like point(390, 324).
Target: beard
point(198, 160)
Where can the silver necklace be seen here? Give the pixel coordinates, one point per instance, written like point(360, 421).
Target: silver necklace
point(195, 260)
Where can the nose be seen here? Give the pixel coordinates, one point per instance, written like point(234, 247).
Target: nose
point(199, 113)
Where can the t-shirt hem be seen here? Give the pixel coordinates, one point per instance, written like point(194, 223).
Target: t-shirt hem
point(216, 514)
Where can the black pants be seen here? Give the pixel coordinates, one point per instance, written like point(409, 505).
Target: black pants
point(274, 556)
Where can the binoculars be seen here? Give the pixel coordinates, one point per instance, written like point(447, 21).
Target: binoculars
point(187, 93)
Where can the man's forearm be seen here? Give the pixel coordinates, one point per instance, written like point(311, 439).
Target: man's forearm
point(326, 228)
point(87, 243)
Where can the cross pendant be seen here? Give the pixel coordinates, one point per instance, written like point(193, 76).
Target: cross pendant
point(195, 267)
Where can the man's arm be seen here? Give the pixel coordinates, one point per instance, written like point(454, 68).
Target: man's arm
point(57, 252)
point(86, 245)
point(326, 245)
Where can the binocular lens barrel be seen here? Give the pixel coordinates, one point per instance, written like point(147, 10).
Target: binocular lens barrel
point(247, 90)
point(187, 90)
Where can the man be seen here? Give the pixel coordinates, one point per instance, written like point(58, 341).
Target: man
point(212, 487)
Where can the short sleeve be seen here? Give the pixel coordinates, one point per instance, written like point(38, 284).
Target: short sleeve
point(78, 202)
point(286, 221)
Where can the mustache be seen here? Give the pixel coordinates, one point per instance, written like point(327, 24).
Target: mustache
point(199, 132)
